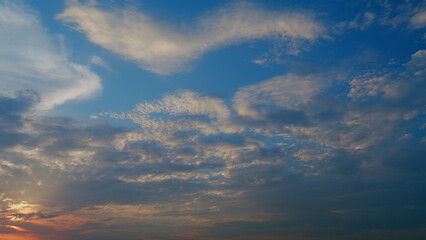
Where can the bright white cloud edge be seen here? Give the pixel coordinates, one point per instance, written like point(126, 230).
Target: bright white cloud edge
point(165, 50)
point(31, 59)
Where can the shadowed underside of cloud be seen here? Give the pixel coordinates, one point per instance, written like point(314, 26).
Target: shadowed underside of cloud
point(164, 50)
point(286, 159)
point(31, 59)
point(282, 156)
point(376, 108)
point(291, 162)
point(331, 167)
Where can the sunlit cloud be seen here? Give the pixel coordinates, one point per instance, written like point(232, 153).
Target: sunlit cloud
point(288, 92)
point(30, 58)
point(205, 152)
point(331, 151)
point(165, 49)
point(419, 20)
point(16, 228)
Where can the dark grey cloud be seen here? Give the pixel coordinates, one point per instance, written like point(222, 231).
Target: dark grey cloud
point(11, 109)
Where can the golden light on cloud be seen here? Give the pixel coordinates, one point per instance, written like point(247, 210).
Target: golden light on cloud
point(244, 120)
point(16, 228)
point(23, 208)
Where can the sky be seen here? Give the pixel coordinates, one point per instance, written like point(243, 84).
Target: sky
point(212, 120)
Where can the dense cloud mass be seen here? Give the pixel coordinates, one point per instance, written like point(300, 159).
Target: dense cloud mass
point(287, 157)
point(231, 171)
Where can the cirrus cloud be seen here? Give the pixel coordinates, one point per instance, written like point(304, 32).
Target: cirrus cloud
point(164, 50)
point(32, 59)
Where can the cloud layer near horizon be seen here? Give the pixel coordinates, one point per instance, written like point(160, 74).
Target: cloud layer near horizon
point(167, 49)
point(281, 160)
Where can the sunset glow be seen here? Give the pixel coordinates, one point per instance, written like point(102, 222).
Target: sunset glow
point(212, 120)
point(19, 229)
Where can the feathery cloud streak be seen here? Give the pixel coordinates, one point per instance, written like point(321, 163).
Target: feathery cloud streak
point(31, 59)
point(164, 49)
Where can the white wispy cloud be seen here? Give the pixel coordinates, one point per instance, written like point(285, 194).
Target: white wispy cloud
point(98, 61)
point(418, 62)
point(163, 49)
point(419, 19)
point(287, 91)
point(32, 59)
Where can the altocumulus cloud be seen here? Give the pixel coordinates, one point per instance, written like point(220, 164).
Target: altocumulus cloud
point(285, 137)
point(265, 168)
point(31, 59)
point(285, 158)
point(163, 49)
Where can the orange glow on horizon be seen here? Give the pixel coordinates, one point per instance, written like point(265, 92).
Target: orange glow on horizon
point(14, 236)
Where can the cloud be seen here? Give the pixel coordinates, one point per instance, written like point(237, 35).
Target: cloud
point(11, 110)
point(417, 62)
point(164, 49)
point(377, 106)
point(287, 157)
point(290, 160)
point(287, 91)
point(361, 22)
point(406, 15)
point(184, 111)
point(98, 61)
point(31, 59)
point(419, 19)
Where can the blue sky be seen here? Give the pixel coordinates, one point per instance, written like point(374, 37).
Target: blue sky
point(212, 119)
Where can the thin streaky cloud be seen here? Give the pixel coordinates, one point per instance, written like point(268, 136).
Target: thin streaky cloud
point(164, 50)
point(32, 59)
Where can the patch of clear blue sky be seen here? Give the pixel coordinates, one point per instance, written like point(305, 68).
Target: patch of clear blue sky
point(222, 71)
